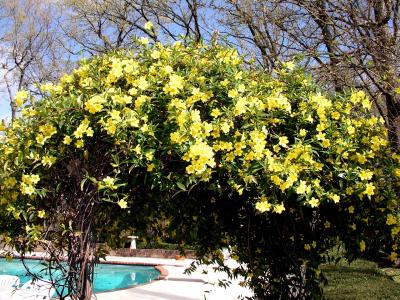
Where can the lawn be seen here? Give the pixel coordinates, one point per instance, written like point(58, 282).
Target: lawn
point(360, 280)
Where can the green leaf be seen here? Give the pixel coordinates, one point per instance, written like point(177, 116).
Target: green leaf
point(181, 186)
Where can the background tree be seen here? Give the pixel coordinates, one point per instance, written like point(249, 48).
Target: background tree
point(346, 45)
point(30, 48)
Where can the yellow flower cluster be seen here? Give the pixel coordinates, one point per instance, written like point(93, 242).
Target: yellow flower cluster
point(200, 155)
point(95, 104)
point(276, 140)
point(21, 97)
point(45, 133)
point(28, 183)
point(244, 132)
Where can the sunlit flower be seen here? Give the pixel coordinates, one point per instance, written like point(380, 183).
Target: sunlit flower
point(148, 25)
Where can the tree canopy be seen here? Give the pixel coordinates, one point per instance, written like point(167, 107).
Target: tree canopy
point(267, 164)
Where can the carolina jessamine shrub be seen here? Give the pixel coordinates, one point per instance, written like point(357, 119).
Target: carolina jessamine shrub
point(268, 165)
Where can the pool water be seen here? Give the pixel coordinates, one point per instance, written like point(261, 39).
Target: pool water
point(107, 277)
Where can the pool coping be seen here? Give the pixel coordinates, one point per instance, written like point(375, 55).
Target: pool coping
point(163, 272)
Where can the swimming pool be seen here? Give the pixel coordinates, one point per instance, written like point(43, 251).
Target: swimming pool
point(108, 277)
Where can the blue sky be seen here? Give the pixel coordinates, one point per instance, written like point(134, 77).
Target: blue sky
point(5, 111)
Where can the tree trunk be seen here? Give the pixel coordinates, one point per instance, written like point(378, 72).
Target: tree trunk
point(393, 116)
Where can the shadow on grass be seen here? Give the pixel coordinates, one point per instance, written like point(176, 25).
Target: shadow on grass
point(360, 280)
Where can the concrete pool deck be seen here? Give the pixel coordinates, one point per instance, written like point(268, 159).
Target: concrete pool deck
point(179, 286)
point(175, 284)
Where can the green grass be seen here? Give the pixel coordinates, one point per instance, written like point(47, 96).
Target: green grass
point(360, 280)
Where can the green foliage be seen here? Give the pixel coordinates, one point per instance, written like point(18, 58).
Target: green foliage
point(215, 152)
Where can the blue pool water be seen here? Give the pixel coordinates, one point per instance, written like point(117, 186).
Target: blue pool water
point(107, 277)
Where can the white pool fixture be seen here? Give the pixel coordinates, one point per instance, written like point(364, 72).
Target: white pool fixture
point(133, 241)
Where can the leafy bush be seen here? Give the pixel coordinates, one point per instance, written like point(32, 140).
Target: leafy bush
point(227, 155)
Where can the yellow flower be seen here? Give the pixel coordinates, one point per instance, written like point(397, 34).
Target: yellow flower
point(351, 209)
point(123, 100)
point(357, 97)
point(20, 97)
point(335, 198)
point(225, 127)
point(149, 155)
point(167, 69)
point(30, 179)
point(150, 167)
point(349, 190)
point(362, 246)
point(47, 130)
point(302, 187)
point(144, 128)
point(369, 189)
point(224, 82)
point(395, 231)
point(391, 220)
point(35, 178)
point(67, 78)
point(79, 144)
point(351, 130)
point(263, 205)
point(41, 214)
point(335, 115)
point(302, 132)
point(233, 93)
point(10, 182)
point(82, 129)
point(177, 137)
point(138, 150)
point(67, 140)
point(143, 41)
point(142, 83)
point(283, 141)
point(133, 91)
point(86, 82)
point(215, 113)
point(155, 54)
point(140, 101)
point(27, 189)
point(290, 65)
point(148, 26)
point(279, 208)
point(393, 256)
point(48, 160)
point(201, 155)
point(122, 203)
point(40, 139)
point(366, 175)
point(175, 84)
point(238, 75)
point(28, 112)
point(313, 202)
point(321, 101)
point(321, 126)
point(326, 143)
point(95, 104)
point(366, 103)
point(108, 182)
